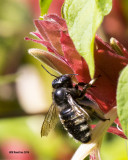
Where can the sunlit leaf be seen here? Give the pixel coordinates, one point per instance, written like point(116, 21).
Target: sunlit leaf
point(44, 5)
point(83, 17)
point(122, 99)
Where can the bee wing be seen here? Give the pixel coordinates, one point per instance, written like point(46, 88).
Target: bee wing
point(91, 107)
point(50, 120)
point(77, 106)
point(85, 102)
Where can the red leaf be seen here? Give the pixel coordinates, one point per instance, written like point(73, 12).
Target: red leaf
point(45, 43)
point(114, 130)
point(111, 64)
point(52, 30)
point(122, 48)
point(72, 56)
point(57, 19)
point(103, 45)
point(38, 35)
point(108, 65)
point(38, 24)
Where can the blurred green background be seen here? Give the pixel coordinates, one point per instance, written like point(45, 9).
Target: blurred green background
point(25, 88)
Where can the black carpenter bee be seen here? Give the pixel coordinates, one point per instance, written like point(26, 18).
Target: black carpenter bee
point(72, 106)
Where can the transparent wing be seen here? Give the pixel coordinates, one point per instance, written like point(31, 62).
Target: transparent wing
point(91, 108)
point(50, 120)
point(77, 107)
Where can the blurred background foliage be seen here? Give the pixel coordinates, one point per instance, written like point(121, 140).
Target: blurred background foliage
point(25, 88)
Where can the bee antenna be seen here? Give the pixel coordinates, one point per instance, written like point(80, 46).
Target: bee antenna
point(73, 74)
point(48, 71)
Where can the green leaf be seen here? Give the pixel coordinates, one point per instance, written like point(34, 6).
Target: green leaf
point(44, 5)
point(83, 18)
point(122, 99)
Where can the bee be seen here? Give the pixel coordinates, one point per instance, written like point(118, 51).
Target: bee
point(72, 106)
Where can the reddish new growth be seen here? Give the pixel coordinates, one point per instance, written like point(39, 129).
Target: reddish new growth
point(63, 57)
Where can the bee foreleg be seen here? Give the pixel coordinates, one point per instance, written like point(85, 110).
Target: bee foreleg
point(84, 90)
point(95, 113)
point(81, 84)
point(99, 116)
point(86, 86)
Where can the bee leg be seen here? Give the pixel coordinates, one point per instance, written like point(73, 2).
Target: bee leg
point(99, 116)
point(96, 114)
point(86, 86)
point(81, 93)
point(76, 87)
point(81, 84)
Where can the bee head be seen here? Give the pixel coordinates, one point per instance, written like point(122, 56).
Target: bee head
point(62, 81)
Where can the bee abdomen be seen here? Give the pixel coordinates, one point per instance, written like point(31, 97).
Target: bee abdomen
point(76, 125)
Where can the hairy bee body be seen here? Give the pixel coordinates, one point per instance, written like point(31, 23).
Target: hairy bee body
point(77, 126)
point(73, 118)
point(73, 107)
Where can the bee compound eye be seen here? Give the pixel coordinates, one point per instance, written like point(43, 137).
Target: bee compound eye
point(65, 78)
point(55, 83)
